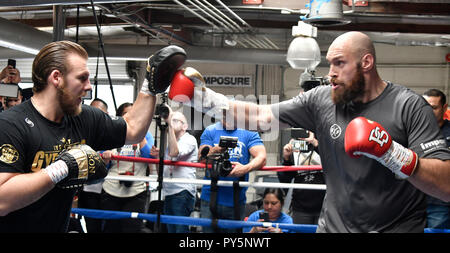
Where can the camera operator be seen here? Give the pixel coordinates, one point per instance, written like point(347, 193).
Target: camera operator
point(10, 75)
point(228, 205)
point(305, 204)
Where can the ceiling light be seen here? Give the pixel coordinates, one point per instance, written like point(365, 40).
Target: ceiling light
point(230, 40)
point(325, 13)
point(303, 52)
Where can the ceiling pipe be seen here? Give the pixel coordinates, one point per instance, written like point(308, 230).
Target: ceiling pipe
point(195, 54)
point(29, 37)
point(214, 14)
point(227, 24)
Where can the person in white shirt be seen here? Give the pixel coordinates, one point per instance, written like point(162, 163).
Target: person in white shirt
point(179, 198)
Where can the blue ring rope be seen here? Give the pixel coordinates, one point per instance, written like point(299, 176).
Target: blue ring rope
point(183, 220)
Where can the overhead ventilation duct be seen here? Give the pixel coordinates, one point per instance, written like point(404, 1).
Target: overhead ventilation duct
point(22, 37)
point(325, 13)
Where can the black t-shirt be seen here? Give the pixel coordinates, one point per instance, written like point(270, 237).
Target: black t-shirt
point(29, 142)
point(362, 195)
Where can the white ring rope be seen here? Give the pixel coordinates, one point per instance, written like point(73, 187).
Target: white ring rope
point(219, 183)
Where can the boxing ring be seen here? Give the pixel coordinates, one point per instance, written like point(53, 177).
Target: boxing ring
point(222, 223)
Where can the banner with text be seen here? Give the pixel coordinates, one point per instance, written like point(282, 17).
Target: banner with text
point(228, 80)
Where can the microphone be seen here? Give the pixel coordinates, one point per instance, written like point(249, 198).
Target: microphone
point(204, 152)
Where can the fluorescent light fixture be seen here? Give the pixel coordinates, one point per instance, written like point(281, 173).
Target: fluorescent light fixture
point(14, 46)
point(230, 40)
point(125, 58)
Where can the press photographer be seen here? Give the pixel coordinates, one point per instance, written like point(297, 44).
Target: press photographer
point(10, 93)
point(229, 202)
point(10, 74)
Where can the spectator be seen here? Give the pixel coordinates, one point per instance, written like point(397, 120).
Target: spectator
point(438, 211)
point(249, 145)
point(126, 196)
point(305, 204)
point(100, 104)
point(89, 196)
point(273, 201)
point(9, 102)
point(179, 199)
point(10, 75)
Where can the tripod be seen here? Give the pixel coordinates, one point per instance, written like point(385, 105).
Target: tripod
point(162, 112)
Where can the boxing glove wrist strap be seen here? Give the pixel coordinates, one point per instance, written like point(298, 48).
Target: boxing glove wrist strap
point(145, 89)
point(57, 171)
point(400, 160)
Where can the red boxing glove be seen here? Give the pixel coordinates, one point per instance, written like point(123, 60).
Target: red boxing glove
point(369, 138)
point(188, 87)
point(181, 88)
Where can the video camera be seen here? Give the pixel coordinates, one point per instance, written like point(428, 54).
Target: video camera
point(300, 145)
point(228, 142)
point(162, 109)
point(309, 81)
point(9, 90)
point(221, 165)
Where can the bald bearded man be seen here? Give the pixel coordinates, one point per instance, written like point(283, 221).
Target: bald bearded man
point(380, 145)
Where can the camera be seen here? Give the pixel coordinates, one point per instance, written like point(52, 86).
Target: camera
point(12, 62)
point(264, 216)
point(221, 165)
point(9, 90)
point(228, 142)
point(162, 109)
point(299, 133)
point(309, 81)
point(301, 146)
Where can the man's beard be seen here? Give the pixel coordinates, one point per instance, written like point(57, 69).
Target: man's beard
point(68, 102)
point(347, 93)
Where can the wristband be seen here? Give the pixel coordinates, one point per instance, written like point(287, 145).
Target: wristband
point(400, 160)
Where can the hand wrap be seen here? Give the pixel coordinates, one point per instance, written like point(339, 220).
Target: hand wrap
point(81, 165)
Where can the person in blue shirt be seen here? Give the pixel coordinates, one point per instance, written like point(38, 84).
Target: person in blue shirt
point(249, 145)
point(438, 211)
point(273, 201)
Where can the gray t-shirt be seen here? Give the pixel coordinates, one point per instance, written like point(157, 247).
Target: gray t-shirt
point(363, 195)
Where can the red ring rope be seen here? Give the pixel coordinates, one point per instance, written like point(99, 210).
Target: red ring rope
point(202, 165)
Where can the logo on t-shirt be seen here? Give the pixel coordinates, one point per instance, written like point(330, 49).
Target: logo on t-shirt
point(335, 131)
point(8, 154)
point(432, 145)
point(29, 122)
